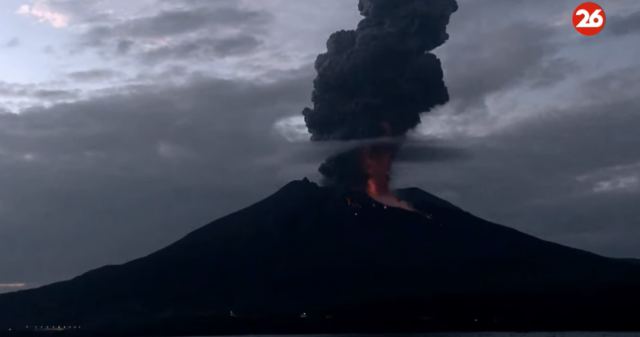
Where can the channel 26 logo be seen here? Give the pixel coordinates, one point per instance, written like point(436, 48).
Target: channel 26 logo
point(589, 18)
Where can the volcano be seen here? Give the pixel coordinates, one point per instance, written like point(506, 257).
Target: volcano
point(324, 259)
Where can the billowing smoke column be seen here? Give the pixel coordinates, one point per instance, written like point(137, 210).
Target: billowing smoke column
point(375, 81)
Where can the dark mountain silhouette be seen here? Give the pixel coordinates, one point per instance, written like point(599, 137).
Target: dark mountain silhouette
point(312, 258)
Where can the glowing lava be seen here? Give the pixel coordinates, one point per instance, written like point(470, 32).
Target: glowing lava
point(377, 161)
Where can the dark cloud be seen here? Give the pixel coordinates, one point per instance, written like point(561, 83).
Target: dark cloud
point(203, 48)
point(124, 46)
point(176, 22)
point(546, 176)
point(236, 45)
point(93, 75)
point(568, 173)
point(53, 94)
point(500, 57)
point(112, 178)
point(428, 152)
point(35, 91)
point(180, 33)
point(628, 23)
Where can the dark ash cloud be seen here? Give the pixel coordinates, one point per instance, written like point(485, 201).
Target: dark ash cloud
point(375, 81)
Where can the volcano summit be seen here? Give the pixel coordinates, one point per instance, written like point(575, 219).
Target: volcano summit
point(313, 259)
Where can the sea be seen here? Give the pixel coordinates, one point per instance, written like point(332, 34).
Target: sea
point(467, 334)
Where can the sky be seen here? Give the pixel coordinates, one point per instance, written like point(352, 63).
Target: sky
point(125, 125)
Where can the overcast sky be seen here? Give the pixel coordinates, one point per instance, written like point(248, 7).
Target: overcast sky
point(126, 124)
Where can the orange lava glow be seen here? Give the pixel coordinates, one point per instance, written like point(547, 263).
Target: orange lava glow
point(377, 162)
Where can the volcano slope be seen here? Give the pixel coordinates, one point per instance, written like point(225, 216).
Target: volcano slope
point(317, 259)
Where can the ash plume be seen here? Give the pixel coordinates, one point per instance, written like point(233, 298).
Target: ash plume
point(375, 81)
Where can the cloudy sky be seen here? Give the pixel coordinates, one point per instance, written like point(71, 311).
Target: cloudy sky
point(126, 124)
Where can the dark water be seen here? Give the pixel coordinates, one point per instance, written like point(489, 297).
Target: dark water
point(480, 334)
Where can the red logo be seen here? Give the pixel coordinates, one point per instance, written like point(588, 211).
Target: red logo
point(589, 19)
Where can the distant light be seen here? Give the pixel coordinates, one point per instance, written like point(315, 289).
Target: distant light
point(12, 285)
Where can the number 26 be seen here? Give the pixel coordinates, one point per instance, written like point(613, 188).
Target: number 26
point(590, 20)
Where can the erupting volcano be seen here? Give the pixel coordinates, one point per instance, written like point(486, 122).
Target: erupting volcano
point(323, 259)
point(331, 258)
point(377, 161)
point(373, 84)
point(365, 169)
